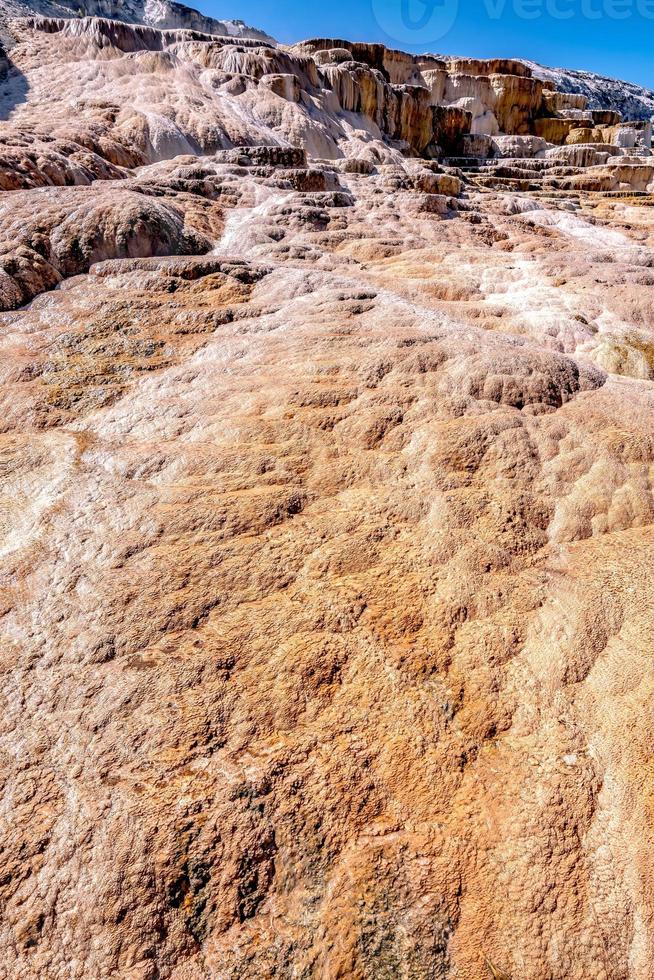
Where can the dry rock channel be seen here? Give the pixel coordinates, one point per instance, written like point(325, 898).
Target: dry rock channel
point(326, 524)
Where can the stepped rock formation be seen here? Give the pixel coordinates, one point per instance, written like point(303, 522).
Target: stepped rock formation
point(326, 514)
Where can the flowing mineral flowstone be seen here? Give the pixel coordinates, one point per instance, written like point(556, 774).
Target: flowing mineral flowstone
point(327, 517)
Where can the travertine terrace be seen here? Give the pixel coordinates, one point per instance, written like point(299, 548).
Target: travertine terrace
point(326, 452)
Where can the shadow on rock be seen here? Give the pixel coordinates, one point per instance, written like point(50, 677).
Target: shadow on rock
point(13, 85)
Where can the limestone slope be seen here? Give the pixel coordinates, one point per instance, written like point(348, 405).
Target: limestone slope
point(154, 13)
point(633, 101)
point(325, 519)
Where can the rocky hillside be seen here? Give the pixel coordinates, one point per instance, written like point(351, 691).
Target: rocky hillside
point(326, 515)
point(632, 101)
point(154, 13)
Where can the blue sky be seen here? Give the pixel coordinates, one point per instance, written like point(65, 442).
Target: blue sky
point(614, 37)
